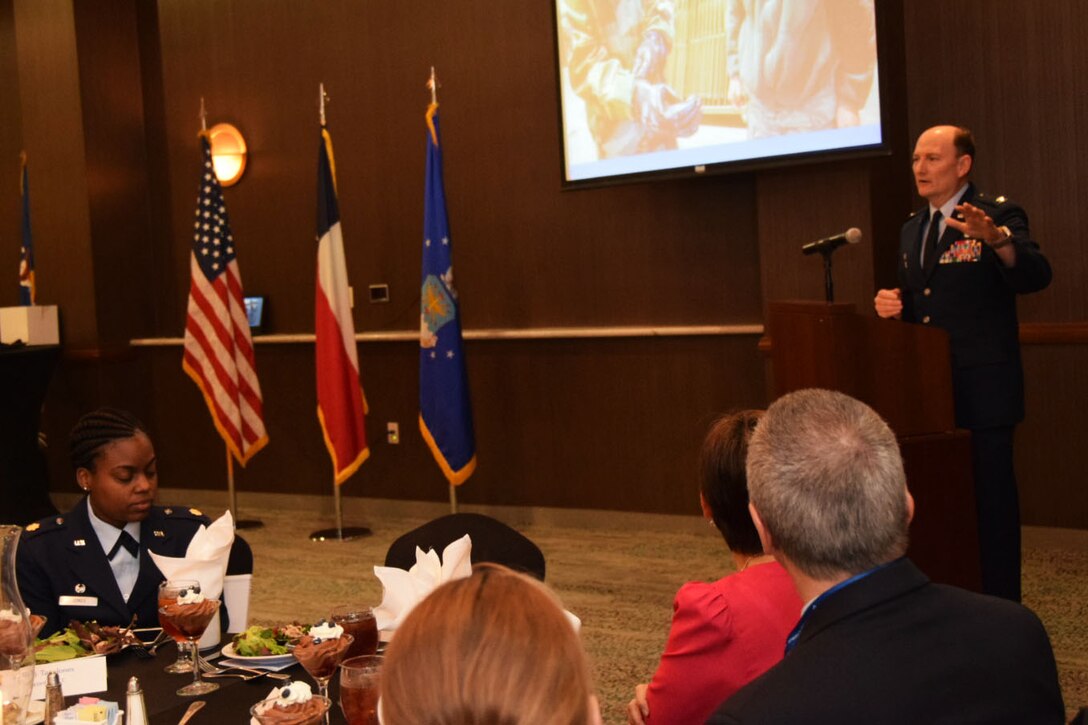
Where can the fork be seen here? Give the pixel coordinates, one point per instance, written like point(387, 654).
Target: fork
point(146, 650)
point(243, 672)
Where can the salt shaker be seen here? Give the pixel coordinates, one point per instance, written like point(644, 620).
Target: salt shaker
point(54, 697)
point(134, 703)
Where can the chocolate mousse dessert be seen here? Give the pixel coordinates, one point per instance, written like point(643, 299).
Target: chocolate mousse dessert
point(292, 704)
point(15, 635)
point(322, 649)
point(190, 613)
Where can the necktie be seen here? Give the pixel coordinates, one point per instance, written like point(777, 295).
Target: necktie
point(930, 249)
point(125, 540)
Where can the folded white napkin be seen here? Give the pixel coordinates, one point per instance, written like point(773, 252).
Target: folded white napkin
point(405, 589)
point(205, 561)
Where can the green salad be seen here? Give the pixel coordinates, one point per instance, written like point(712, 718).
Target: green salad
point(80, 639)
point(260, 641)
point(62, 645)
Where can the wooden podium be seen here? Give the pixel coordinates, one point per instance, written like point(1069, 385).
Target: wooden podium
point(903, 372)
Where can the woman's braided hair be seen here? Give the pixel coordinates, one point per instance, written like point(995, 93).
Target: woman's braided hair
point(97, 429)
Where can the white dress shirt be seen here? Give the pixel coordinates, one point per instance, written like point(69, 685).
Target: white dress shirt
point(126, 567)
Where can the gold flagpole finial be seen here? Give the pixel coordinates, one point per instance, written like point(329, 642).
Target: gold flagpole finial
point(203, 116)
point(432, 83)
point(322, 98)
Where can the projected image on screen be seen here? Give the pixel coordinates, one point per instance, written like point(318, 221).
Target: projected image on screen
point(650, 85)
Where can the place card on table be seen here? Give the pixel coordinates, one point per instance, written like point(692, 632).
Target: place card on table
point(78, 676)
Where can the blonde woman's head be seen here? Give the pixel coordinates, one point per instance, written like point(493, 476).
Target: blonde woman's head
point(494, 648)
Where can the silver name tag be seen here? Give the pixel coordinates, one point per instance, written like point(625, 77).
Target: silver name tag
point(70, 601)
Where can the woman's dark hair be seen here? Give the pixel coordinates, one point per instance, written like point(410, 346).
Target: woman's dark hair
point(97, 429)
point(724, 484)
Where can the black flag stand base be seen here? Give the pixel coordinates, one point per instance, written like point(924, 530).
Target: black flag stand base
point(343, 533)
point(340, 533)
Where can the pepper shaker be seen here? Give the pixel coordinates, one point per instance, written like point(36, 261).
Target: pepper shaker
point(54, 697)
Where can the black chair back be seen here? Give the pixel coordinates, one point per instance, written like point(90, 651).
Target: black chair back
point(492, 541)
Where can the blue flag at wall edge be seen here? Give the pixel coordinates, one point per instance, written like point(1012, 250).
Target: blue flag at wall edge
point(445, 411)
point(27, 289)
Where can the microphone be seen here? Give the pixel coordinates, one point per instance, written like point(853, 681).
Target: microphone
point(830, 244)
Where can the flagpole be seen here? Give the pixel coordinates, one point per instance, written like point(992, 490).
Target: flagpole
point(339, 533)
point(232, 495)
point(432, 83)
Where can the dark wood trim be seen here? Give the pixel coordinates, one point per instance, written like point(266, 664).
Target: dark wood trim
point(109, 354)
point(1054, 333)
point(1031, 333)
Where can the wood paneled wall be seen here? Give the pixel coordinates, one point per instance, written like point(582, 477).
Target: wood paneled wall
point(602, 423)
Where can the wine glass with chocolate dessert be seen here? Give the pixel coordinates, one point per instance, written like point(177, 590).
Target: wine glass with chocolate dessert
point(321, 651)
point(188, 616)
point(291, 704)
point(168, 594)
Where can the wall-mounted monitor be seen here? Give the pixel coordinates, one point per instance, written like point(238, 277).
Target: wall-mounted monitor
point(682, 87)
point(255, 313)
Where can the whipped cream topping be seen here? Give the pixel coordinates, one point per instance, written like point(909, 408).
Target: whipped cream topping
point(190, 596)
point(291, 693)
point(9, 615)
point(326, 630)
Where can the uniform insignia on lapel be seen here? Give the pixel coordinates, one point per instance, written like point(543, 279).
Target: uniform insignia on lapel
point(158, 533)
point(1000, 200)
point(34, 526)
point(79, 542)
point(168, 511)
point(80, 588)
point(195, 512)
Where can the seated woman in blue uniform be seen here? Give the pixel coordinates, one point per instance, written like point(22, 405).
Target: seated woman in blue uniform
point(92, 562)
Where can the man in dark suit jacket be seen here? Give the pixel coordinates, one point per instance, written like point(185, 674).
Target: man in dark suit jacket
point(64, 573)
point(962, 261)
point(877, 641)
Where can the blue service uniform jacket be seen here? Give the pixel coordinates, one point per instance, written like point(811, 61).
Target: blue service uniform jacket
point(64, 573)
point(967, 291)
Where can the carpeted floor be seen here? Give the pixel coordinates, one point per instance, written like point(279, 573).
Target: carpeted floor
point(616, 571)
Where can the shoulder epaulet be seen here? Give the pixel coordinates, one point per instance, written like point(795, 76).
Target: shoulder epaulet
point(44, 526)
point(184, 512)
point(994, 200)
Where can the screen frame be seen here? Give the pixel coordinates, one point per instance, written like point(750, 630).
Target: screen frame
point(884, 148)
point(262, 313)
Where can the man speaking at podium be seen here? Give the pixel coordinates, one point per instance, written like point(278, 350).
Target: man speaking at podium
point(962, 261)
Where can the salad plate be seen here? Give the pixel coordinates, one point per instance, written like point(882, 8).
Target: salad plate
point(266, 660)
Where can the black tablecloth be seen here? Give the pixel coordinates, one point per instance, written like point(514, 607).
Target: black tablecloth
point(227, 705)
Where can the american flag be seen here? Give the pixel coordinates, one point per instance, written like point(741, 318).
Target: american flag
point(218, 347)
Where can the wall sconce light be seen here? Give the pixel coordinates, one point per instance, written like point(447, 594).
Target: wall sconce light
point(228, 153)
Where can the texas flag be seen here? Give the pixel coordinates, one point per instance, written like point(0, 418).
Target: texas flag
point(341, 406)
